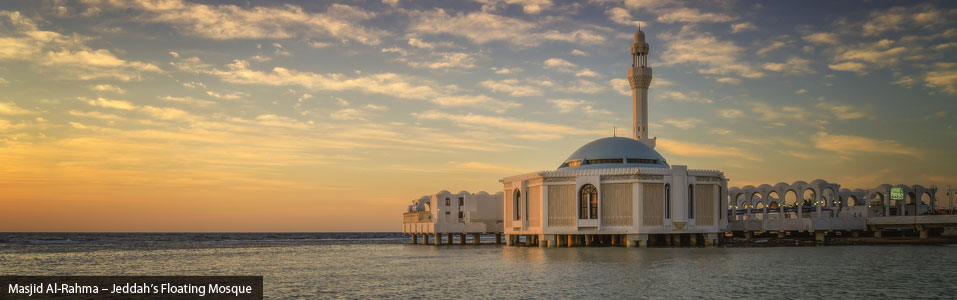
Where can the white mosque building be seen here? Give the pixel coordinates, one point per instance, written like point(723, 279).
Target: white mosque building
point(617, 191)
point(459, 214)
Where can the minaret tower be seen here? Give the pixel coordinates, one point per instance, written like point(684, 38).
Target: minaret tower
point(639, 76)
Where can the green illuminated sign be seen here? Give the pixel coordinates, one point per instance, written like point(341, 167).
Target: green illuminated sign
point(897, 194)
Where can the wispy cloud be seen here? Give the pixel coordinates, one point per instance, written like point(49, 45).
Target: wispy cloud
point(227, 21)
point(850, 145)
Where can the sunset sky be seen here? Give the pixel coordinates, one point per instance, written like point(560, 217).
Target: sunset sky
point(303, 116)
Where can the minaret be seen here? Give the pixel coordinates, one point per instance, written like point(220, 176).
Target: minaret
point(639, 76)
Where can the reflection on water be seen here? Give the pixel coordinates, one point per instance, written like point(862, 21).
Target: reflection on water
point(376, 270)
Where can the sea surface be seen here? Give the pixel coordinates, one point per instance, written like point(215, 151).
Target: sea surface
point(384, 265)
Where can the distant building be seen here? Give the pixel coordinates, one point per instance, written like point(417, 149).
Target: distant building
point(460, 213)
point(617, 191)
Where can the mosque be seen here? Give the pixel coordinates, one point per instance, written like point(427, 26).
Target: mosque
point(617, 191)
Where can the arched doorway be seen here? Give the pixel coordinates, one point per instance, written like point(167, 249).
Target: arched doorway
point(790, 203)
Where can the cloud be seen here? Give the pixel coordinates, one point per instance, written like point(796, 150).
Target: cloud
point(169, 113)
point(702, 150)
point(108, 88)
point(730, 80)
point(862, 57)
point(793, 66)
point(356, 113)
point(10, 108)
point(558, 63)
point(414, 42)
point(586, 73)
point(474, 166)
point(777, 115)
point(531, 7)
point(687, 123)
point(824, 38)
point(902, 18)
point(511, 87)
point(528, 129)
point(683, 97)
point(843, 112)
point(109, 103)
point(389, 84)
point(447, 60)
point(943, 78)
point(731, 113)
point(66, 55)
point(691, 15)
point(621, 16)
point(849, 66)
point(621, 86)
point(800, 92)
point(483, 27)
point(712, 56)
point(568, 67)
point(851, 145)
point(227, 21)
point(567, 106)
point(581, 86)
point(579, 52)
point(187, 100)
point(506, 71)
point(937, 115)
point(227, 96)
point(740, 27)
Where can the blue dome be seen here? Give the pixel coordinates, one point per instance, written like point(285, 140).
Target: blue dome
point(612, 152)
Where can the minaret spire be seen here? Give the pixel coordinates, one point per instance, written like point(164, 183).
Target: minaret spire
point(639, 77)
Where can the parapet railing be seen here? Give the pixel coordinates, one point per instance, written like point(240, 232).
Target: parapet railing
point(417, 217)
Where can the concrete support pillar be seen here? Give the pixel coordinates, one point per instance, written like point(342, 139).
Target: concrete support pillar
point(923, 233)
point(781, 234)
point(877, 233)
point(461, 238)
point(748, 234)
point(667, 240)
point(571, 242)
point(694, 240)
point(415, 239)
point(631, 240)
point(528, 240)
point(712, 239)
point(643, 241)
point(498, 238)
point(855, 233)
point(559, 240)
point(551, 241)
point(476, 238)
point(508, 240)
point(819, 236)
point(438, 239)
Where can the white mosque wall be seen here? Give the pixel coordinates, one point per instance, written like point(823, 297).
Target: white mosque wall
point(630, 201)
point(462, 212)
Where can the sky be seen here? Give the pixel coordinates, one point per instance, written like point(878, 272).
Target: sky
point(333, 116)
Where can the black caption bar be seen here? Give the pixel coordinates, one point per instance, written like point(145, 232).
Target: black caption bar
point(131, 287)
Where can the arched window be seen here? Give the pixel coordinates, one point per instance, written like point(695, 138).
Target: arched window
point(447, 201)
point(588, 202)
point(517, 195)
point(667, 201)
point(690, 201)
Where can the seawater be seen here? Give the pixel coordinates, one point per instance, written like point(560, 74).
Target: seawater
point(384, 265)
